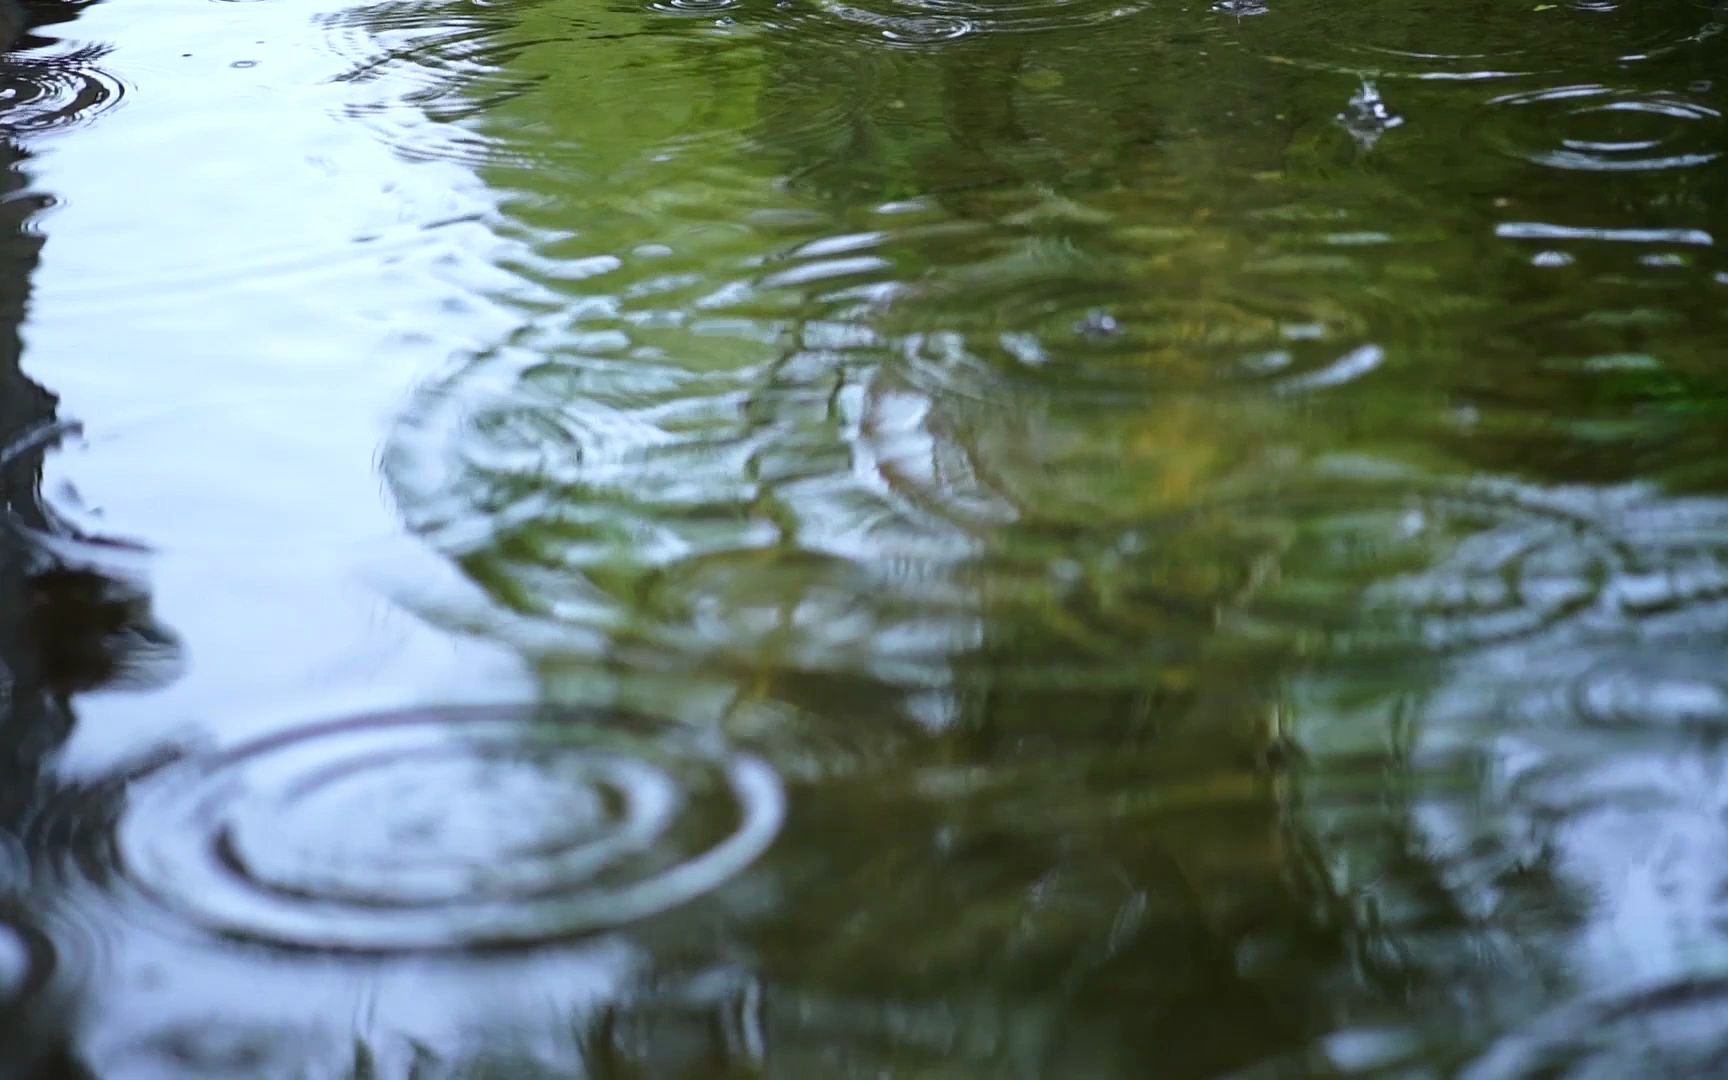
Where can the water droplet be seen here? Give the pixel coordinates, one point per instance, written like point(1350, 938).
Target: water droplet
point(1366, 116)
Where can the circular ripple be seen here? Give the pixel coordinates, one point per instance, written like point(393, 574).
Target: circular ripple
point(454, 828)
point(1421, 572)
point(439, 87)
point(1204, 344)
point(43, 91)
point(1429, 569)
point(709, 8)
point(1082, 315)
point(423, 73)
point(1381, 40)
point(968, 454)
point(1599, 129)
point(928, 22)
point(1675, 1029)
point(672, 520)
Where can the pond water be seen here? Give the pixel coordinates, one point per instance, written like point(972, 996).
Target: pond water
point(807, 538)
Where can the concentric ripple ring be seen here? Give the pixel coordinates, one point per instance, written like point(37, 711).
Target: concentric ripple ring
point(453, 828)
point(1603, 129)
point(1426, 571)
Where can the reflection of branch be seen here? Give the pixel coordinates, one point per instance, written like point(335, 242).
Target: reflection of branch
point(39, 437)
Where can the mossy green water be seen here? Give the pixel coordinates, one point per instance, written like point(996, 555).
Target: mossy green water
point(1159, 480)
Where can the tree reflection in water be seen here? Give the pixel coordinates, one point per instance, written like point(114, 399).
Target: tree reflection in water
point(1261, 694)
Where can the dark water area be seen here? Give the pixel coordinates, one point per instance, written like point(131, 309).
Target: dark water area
point(891, 538)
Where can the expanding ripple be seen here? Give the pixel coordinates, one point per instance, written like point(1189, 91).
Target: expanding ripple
point(1417, 572)
point(963, 453)
point(447, 829)
point(1422, 570)
point(902, 24)
point(1060, 300)
point(1388, 40)
point(866, 523)
point(1602, 129)
point(443, 85)
point(928, 22)
point(1284, 344)
point(45, 89)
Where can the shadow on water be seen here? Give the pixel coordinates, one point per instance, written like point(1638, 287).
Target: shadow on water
point(74, 613)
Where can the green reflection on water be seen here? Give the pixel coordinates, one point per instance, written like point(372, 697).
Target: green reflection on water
point(1152, 506)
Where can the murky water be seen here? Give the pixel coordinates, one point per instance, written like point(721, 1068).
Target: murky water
point(883, 538)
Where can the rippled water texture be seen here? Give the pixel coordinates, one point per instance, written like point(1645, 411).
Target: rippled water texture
point(863, 538)
point(447, 830)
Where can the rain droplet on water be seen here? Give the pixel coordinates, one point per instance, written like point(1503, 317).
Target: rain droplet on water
point(1366, 116)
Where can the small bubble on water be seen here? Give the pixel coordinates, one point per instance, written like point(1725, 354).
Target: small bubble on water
point(243, 64)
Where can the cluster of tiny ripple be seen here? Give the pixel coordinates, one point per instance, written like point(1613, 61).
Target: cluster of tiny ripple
point(446, 829)
point(807, 511)
point(795, 447)
point(1552, 117)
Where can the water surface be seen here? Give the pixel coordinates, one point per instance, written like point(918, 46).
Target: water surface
point(907, 537)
